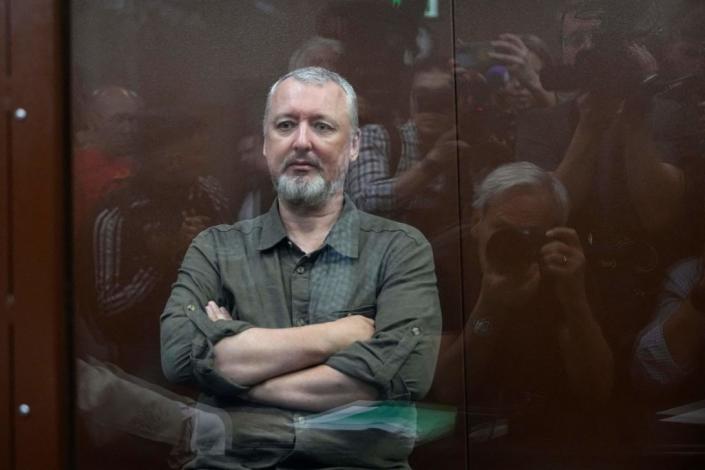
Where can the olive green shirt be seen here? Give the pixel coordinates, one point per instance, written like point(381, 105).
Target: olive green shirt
point(368, 265)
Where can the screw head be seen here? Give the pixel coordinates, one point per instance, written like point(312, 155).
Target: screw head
point(20, 114)
point(24, 409)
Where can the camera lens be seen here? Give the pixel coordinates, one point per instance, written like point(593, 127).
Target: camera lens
point(511, 251)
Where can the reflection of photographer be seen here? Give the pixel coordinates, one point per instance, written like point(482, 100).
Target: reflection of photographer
point(597, 39)
point(524, 56)
point(505, 72)
point(534, 347)
point(401, 170)
point(524, 252)
point(498, 81)
point(613, 153)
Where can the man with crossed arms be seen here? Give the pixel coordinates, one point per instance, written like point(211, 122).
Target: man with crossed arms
point(311, 306)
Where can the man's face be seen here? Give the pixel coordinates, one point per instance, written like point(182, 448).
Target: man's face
point(308, 141)
point(517, 209)
point(432, 102)
point(114, 119)
point(514, 95)
point(577, 35)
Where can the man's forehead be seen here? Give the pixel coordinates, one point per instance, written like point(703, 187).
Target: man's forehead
point(573, 23)
point(523, 207)
point(292, 93)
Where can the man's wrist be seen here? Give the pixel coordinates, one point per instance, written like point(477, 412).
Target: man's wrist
point(572, 298)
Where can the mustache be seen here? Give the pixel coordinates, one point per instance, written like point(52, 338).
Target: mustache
point(297, 159)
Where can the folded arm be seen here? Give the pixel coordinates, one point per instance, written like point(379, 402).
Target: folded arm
point(317, 388)
point(258, 354)
point(399, 360)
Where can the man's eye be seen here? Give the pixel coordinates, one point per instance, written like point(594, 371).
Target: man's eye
point(285, 125)
point(323, 127)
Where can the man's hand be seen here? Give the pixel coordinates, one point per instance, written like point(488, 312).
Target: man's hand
point(216, 313)
point(445, 150)
point(511, 51)
point(645, 60)
point(563, 260)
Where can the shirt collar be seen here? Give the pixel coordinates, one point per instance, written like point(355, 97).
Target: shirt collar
point(343, 237)
point(345, 234)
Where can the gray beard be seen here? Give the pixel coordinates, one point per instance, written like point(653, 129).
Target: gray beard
point(302, 192)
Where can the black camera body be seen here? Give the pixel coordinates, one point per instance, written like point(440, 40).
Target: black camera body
point(512, 251)
point(608, 71)
point(608, 67)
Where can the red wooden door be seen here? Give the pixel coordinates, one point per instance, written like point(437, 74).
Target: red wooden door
point(33, 377)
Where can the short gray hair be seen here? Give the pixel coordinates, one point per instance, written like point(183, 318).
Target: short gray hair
point(317, 76)
point(521, 174)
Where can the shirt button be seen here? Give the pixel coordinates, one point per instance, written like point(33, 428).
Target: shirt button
point(191, 307)
point(300, 270)
point(415, 331)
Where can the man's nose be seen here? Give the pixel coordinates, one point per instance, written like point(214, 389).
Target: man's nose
point(303, 137)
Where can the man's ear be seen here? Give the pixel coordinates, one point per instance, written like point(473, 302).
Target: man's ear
point(355, 145)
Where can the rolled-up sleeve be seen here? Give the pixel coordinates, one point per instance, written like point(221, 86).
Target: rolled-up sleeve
point(187, 334)
point(400, 359)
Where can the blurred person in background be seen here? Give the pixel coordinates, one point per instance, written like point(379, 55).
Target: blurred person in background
point(142, 229)
point(400, 171)
point(539, 365)
point(614, 146)
point(104, 150)
point(524, 56)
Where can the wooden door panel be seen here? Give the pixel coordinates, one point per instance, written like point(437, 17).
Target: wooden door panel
point(32, 242)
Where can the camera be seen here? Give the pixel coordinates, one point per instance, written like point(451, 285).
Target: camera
point(511, 251)
point(608, 67)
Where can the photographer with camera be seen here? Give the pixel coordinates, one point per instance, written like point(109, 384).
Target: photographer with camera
point(611, 148)
point(498, 81)
point(538, 361)
point(524, 56)
point(401, 170)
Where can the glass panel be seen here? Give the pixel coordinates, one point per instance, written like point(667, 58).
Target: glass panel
point(569, 290)
point(571, 333)
point(168, 99)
